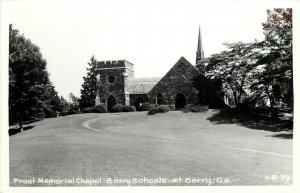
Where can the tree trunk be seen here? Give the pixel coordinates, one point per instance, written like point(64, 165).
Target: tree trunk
point(272, 101)
point(236, 101)
point(21, 124)
point(274, 111)
point(241, 90)
point(235, 97)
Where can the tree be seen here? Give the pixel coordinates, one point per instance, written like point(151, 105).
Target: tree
point(64, 105)
point(74, 104)
point(234, 67)
point(274, 81)
point(52, 100)
point(31, 93)
point(89, 87)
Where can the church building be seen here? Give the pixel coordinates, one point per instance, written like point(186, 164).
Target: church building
point(183, 84)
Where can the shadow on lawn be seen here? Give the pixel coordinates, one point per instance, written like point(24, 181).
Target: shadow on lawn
point(13, 131)
point(283, 135)
point(231, 116)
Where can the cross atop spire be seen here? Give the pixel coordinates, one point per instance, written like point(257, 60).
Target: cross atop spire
point(199, 53)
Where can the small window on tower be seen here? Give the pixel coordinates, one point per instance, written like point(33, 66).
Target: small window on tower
point(111, 79)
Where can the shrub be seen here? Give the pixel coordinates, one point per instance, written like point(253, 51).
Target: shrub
point(50, 113)
point(186, 109)
point(172, 107)
point(39, 115)
point(101, 108)
point(71, 112)
point(117, 108)
point(145, 106)
point(159, 109)
point(195, 108)
point(88, 110)
point(198, 108)
point(33, 119)
point(128, 108)
point(64, 113)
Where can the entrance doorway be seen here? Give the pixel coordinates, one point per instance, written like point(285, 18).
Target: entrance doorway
point(111, 101)
point(138, 103)
point(180, 101)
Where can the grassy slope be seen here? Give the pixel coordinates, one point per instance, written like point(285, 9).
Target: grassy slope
point(167, 145)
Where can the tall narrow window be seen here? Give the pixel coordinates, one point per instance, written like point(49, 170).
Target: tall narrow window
point(159, 99)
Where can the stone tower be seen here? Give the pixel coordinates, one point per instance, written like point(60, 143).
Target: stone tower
point(199, 52)
point(113, 80)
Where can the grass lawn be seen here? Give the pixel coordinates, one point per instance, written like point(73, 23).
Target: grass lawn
point(135, 145)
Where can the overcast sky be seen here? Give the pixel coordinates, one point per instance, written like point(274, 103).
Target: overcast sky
point(152, 35)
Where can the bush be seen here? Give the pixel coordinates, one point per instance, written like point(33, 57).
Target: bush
point(145, 106)
point(117, 108)
point(50, 113)
point(186, 109)
point(128, 108)
point(195, 108)
point(33, 119)
point(159, 109)
point(88, 110)
point(71, 112)
point(172, 107)
point(39, 115)
point(63, 113)
point(101, 108)
point(198, 108)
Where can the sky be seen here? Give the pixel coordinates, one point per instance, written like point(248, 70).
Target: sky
point(152, 35)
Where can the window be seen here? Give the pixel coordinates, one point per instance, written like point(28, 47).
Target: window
point(111, 79)
point(159, 99)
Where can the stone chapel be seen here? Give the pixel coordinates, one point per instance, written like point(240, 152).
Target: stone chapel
point(182, 85)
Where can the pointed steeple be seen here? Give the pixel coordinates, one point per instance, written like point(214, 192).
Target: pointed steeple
point(199, 53)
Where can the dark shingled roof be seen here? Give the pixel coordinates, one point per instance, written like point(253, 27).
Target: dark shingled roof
point(142, 85)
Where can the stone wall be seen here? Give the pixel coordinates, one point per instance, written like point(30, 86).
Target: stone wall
point(116, 89)
point(177, 80)
point(115, 64)
point(122, 71)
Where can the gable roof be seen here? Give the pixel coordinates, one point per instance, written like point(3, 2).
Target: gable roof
point(184, 61)
point(181, 72)
point(142, 85)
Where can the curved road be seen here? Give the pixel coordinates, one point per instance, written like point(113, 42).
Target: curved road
point(135, 149)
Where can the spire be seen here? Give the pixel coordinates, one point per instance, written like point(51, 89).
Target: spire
point(199, 53)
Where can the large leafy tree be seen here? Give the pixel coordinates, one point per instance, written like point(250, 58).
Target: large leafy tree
point(263, 67)
point(89, 86)
point(31, 93)
point(234, 67)
point(274, 81)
